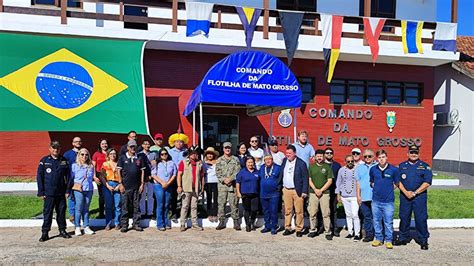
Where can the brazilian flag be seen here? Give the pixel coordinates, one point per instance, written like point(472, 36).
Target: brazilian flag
point(50, 83)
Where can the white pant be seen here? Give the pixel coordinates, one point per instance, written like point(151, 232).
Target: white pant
point(351, 208)
point(146, 199)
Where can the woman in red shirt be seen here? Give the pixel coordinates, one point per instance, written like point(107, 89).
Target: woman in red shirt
point(98, 159)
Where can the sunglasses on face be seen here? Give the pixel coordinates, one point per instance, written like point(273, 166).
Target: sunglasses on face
point(355, 153)
point(349, 161)
point(328, 152)
point(84, 154)
point(413, 152)
point(368, 156)
point(226, 148)
point(254, 141)
point(164, 154)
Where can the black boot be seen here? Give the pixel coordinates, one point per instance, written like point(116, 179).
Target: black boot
point(44, 237)
point(237, 225)
point(221, 225)
point(64, 234)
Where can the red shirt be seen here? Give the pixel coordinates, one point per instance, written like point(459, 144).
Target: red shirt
point(99, 158)
point(193, 166)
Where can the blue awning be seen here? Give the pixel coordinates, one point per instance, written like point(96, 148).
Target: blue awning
point(250, 78)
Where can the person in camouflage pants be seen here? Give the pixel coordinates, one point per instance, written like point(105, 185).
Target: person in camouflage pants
point(227, 167)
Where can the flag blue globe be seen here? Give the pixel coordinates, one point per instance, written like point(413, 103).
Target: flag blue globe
point(64, 85)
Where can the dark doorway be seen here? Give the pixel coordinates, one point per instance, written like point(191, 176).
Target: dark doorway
point(221, 128)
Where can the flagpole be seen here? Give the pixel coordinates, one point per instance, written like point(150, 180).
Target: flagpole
point(201, 135)
point(194, 128)
point(294, 125)
point(271, 122)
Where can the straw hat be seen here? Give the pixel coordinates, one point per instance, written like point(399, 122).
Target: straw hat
point(211, 150)
point(178, 136)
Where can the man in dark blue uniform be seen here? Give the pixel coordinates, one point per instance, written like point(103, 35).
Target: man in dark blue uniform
point(416, 177)
point(53, 178)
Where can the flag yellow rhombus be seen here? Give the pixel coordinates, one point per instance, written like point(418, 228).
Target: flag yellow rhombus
point(62, 84)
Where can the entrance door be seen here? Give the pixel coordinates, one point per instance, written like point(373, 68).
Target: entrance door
point(219, 129)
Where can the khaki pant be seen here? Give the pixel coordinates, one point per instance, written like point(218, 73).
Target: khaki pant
point(222, 198)
point(313, 204)
point(291, 200)
point(189, 198)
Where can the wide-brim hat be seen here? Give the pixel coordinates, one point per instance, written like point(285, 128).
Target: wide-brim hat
point(178, 136)
point(211, 150)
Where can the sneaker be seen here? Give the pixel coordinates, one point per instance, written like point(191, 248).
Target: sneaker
point(107, 228)
point(299, 234)
point(265, 230)
point(356, 238)
point(274, 231)
point(168, 227)
point(124, 229)
point(313, 234)
point(78, 231)
point(288, 232)
point(350, 236)
point(88, 231)
point(197, 227)
point(376, 243)
point(64, 234)
point(368, 239)
point(389, 245)
point(182, 228)
point(162, 229)
point(329, 237)
point(137, 228)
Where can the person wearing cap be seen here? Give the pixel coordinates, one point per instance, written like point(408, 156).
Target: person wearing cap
point(256, 152)
point(158, 140)
point(227, 168)
point(347, 194)
point(335, 166)
point(277, 155)
point(54, 183)
point(131, 169)
point(320, 179)
point(163, 176)
point(383, 179)
point(295, 177)
point(190, 187)
point(270, 192)
point(356, 152)
point(416, 177)
point(210, 161)
point(247, 190)
point(177, 152)
point(71, 156)
point(364, 193)
point(146, 197)
point(132, 135)
point(304, 150)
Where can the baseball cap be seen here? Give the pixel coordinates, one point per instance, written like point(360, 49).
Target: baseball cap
point(158, 136)
point(413, 148)
point(356, 150)
point(55, 144)
point(227, 144)
point(131, 143)
point(272, 142)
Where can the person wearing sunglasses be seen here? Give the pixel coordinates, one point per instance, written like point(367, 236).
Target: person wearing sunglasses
point(227, 168)
point(163, 175)
point(416, 177)
point(384, 178)
point(346, 194)
point(364, 193)
point(335, 166)
point(83, 174)
point(356, 152)
point(256, 152)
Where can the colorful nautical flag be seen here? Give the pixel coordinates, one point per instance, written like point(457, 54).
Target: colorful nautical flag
point(445, 37)
point(331, 27)
point(411, 37)
point(71, 84)
point(372, 29)
point(291, 24)
point(198, 18)
point(249, 17)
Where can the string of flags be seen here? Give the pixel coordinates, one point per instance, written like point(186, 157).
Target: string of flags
point(199, 21)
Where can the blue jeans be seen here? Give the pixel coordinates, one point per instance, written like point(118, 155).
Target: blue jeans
point(383, 219)
point(270, 212)
point(162, 205)
point(83, 201)
point(366, 209)
point(112, 204)
point(70, 204)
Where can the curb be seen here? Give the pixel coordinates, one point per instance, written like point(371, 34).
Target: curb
point(432, 223)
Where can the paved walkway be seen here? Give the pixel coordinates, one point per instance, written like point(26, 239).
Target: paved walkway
point(20, 245)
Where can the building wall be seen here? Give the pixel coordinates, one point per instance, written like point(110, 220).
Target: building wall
point(424, 10)
point(453, 149)
point(339, 7)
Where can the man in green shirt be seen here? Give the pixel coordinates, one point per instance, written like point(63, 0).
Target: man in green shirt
point(320, 179)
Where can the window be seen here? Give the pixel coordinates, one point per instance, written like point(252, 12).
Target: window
point(70, 3)
point(379, 9)
point(375, 92)
point(338, 92)
point(307, 89)
point(301, 5)
point(139, 11)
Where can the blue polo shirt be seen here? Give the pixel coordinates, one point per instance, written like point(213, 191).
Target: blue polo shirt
point(248, 181)
point(130, 168)
point(383, 181)
point(304, 152)
point(412, 175)
point(270, 184)
point(71, 156)
point(363, 178)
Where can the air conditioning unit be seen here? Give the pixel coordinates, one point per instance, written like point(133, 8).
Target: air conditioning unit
point(446, 119)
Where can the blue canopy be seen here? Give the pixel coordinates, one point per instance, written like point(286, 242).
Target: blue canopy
point(250, 78)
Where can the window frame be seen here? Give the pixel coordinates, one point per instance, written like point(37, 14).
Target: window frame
point(313, 88)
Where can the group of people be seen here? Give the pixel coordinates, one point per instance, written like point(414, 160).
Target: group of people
point(139, 180)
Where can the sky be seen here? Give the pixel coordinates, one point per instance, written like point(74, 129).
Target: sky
point(465, 15)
